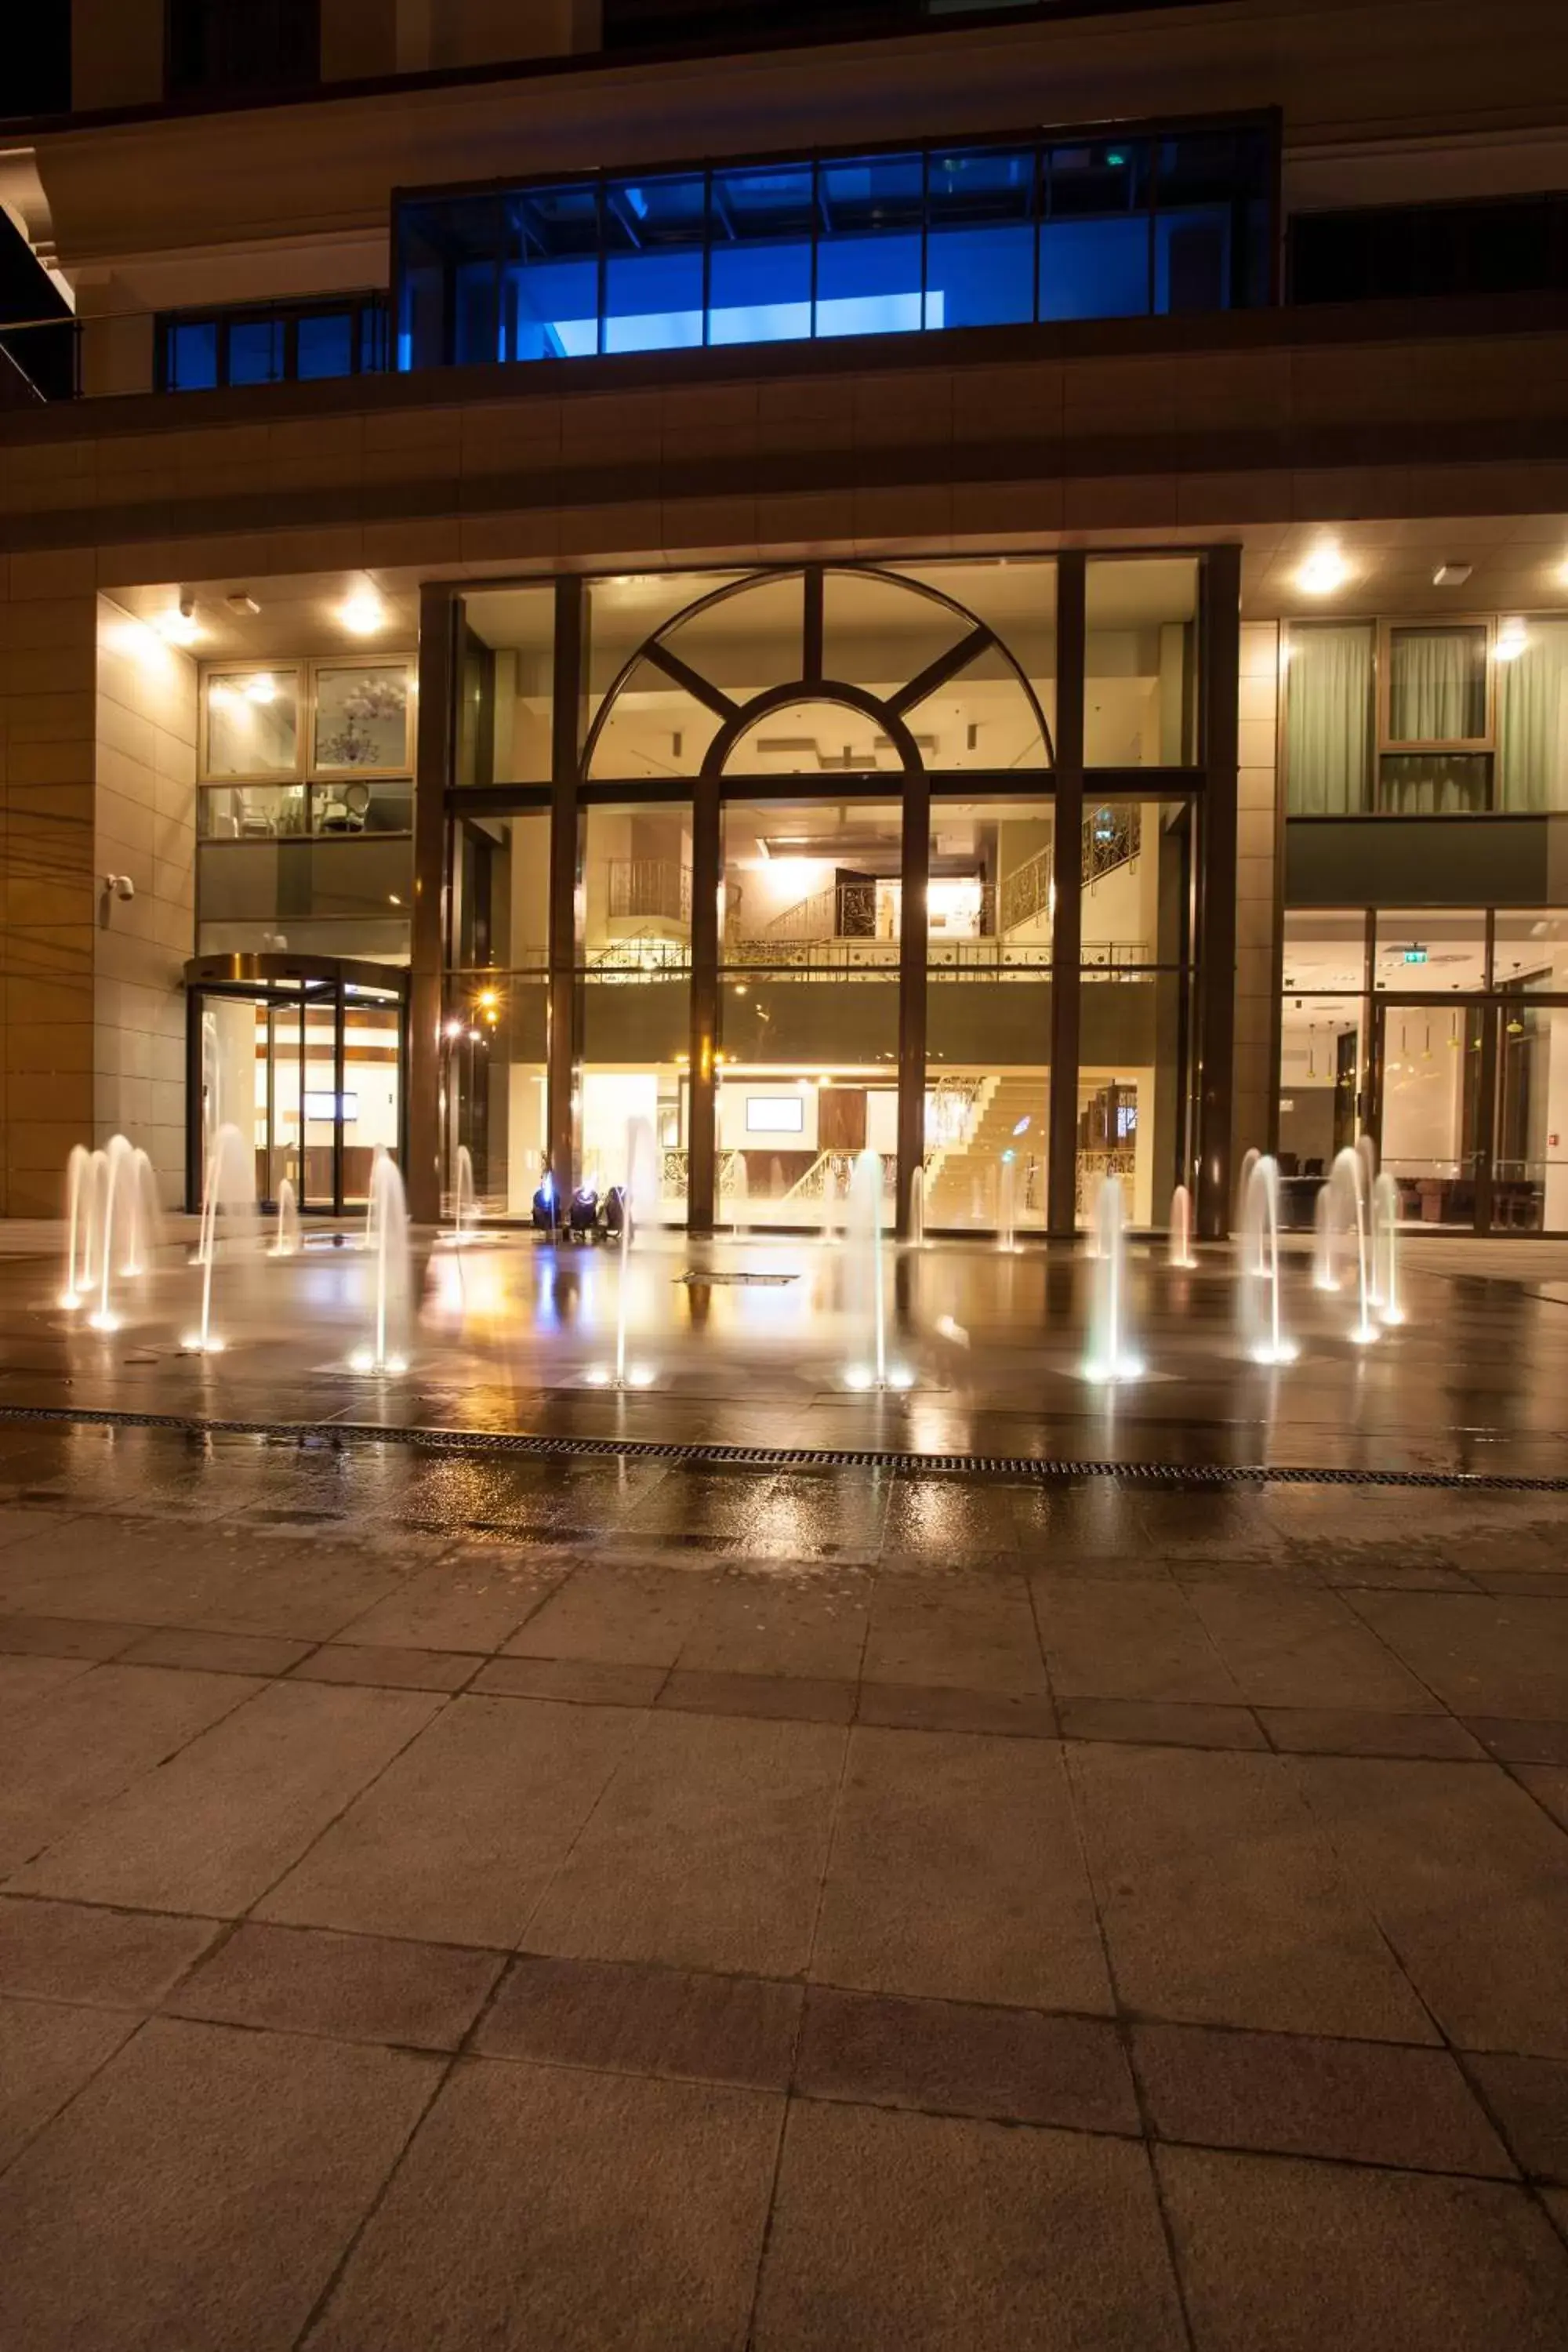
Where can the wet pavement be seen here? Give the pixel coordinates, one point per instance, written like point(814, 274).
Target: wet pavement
point(463, 1897)
point(755, 1344)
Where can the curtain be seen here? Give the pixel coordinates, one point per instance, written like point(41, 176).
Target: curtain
point(1532, 723)
point(1438, 685)
point(1328, 721)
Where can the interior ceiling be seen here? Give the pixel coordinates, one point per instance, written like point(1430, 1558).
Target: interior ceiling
point(1519, 563)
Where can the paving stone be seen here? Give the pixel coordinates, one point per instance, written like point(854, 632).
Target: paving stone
point(199, 2189)
point(954, 1634)
point(1109, 1640)
point(619, 1615)
point(311, 1590)
point(458, 1839)
point(958, 1518)
point(1549, 1786)
point(1529, 2098)
point(1159, 1723)
point(956, 1872)
point(1369, 2102)
point(546, 2205)
point(797, 1698)
point(583, 1681)
point(707, 1850)
point(1469, 1882)
point(218, 1654)
point(72, 1951)
point(820, 1511)
point(1012, 2065)
point(46, 2053)
point(1521, 1743)
point(386, 1668)
point(353, 1988)
point(633, 2019)
point(474, 1601)
point(64, 1637)
point(1299, 1647)
point(99, 1733)
point(221, 1822)
point(911, 1706)
point(1481, 1655)
point(27, 1682)
point(1278, 2255)
point(1348, 1732)
point(797, 1621)
point(899, 2232)
point(1222, 1902)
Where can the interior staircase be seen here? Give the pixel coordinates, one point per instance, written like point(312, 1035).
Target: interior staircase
point(960, 1181)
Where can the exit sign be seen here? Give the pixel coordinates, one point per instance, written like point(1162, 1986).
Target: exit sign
point(1415, 955)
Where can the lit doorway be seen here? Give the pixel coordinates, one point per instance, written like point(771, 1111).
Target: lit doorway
point(307, 1057)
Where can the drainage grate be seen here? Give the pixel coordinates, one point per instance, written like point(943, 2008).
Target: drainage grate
point(1045, 1470)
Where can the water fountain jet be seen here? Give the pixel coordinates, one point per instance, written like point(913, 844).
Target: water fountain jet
point(1006, 1205)
point(287, 1242)
point(1111, 1357)
point(230, 1184)
point(387, 1225)
point(1386, 1293)
point(873, 1369)
point(1182, 1256)
point(1348, 1223)
point(1259, 1247)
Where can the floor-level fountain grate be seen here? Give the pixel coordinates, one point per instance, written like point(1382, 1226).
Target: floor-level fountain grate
point(1043, 1469)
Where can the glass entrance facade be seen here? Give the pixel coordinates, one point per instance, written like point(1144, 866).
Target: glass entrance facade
point(812, 860)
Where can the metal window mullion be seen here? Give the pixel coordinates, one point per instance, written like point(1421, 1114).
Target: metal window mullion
point(603, 261)
point(1067, 872)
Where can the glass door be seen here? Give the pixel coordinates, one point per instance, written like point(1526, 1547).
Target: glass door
point(1529, 1175)
point(1429, 1109)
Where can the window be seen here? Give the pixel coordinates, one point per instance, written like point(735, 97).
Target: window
point(1329, 721)
point(1389, 252)
point(282, 342)
point(986, 234)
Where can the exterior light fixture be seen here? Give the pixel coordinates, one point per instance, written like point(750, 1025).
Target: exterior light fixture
point(1324, 571)
point(1511, 641)
point(1451, 576)
point(242, 605)
point(454, 1028)
point(362, 613)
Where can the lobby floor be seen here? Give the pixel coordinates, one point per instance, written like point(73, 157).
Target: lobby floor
point(454, 1899)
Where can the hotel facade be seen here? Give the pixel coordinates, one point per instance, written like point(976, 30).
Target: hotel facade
point(988, 585)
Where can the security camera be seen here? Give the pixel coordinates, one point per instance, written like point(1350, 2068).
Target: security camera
point(120, 886)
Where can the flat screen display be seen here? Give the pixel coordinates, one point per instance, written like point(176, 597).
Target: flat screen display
point(774, 1115)
point(318, 1106)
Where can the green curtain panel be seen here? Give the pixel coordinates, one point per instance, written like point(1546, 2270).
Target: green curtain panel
point(1328, 721)
point(1438, 685)
point(1533, 722)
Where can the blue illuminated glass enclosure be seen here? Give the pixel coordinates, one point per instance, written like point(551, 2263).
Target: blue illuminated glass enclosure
point(888, 242)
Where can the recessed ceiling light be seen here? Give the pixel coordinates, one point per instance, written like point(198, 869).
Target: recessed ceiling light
point(362, 613)
point(1451, 576)
point(1324, 571)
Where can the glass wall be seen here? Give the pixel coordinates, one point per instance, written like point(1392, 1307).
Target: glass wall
point(1140, 660)
point(1321, 1048)
point(506, 695)
point(808, 1023)
point(921, 239)
point(497, 1007)
point(305, 808)
point(1137, 868)
point(634, 995)
point(989, 905)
